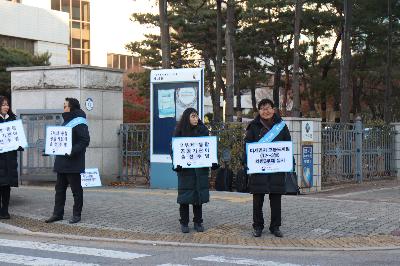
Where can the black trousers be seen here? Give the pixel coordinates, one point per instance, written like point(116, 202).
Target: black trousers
point(184, 213)
point(4, 198)
point(275, 205)
point(74, 180)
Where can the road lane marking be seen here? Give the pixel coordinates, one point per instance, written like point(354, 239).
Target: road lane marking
point(71, 249)
point(39, 261)
point(242, 261)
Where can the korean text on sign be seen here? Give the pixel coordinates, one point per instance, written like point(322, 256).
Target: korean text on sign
point(269, 157)
point(12, 136)
point(194, 152)
point(58, 140)
point(91, 178)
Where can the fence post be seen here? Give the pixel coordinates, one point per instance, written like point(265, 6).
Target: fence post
point(359, 136)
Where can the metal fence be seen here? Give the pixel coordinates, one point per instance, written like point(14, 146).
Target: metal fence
point(134, 152)
point(353, 152)
point(350, 152)
point(32, 165)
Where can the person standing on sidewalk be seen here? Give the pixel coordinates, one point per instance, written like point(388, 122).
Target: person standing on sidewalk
point(70, 166)
point(192, 182)
point(273, 183)
point(8, 163)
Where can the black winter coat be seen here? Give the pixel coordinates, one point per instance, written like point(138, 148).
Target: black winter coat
point(193, 182)
point(266, 183)
point(75, 162)
point(8, 162)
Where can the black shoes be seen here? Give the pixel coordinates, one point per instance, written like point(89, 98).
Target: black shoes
point(53, 218)
point(198, 227)
point(5, 215)
point(184, 228)
point(257, 232)
point(276, 232)
point(75, 219)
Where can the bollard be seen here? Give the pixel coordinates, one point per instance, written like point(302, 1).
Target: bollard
point(359, 139)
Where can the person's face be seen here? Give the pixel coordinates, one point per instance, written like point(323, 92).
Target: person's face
point(67, 109)
point(4, 107)
point(266, 111)
point(194, 119)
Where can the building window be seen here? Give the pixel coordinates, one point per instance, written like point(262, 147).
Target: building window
point(79, 15)
point(76, 56)
point(124, 62)
point(14, 1)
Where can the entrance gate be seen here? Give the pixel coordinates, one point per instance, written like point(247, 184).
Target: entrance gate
point(32, 165)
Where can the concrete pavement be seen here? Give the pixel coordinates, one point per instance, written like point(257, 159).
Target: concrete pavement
point(354, 220)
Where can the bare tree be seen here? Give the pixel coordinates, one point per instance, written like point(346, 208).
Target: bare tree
point(296, 81)
point(230, 64)
point(165, 38)
point(345, 64)
point(388, 78)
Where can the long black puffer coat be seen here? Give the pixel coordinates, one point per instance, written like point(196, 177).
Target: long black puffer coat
point(266, 183)
point(75, 163)
point(193, 182)
point(8, 162)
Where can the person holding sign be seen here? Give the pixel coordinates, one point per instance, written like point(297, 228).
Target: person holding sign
point(192, 182)
point(8, 163)
point(267, 125)
point(70, 166)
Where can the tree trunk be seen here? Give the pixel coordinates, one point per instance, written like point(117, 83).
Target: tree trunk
point(296, 81)
point(345, 65)
point(388, 76)
point(210, 81)
point(286, 90)
point(165, 38)
point(277, 83)
point(218, 63)
point(230, 67)
point(253, 96)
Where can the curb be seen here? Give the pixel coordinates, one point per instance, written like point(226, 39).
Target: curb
point(21, 231)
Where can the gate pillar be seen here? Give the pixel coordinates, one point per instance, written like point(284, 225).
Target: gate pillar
point(99, 91)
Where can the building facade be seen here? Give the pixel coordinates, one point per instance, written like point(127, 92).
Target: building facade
point(87, 32)
point(34, 29)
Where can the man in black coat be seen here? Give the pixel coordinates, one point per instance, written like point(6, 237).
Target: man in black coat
point(273, 183)
point(70, 166)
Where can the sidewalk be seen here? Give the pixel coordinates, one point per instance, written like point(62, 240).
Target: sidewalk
point(363, 219)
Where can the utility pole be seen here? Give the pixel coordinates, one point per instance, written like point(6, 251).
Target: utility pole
point(388, 78)
point(345, 64)
point(230, 62)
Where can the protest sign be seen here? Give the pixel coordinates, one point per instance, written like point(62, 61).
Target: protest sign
point(91, 178)
point(58, 140)
point(269, 157)
point(12, 136)
point(194, 152)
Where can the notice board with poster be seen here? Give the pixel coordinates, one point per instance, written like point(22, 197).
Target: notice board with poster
point(172, 91)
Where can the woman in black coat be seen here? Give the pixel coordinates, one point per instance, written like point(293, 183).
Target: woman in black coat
point(273, 183)
point(192, 182)
point(8, 163)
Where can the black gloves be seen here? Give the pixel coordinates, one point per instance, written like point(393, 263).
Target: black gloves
point(177, 169)
point(214, 166)
point(20, 148)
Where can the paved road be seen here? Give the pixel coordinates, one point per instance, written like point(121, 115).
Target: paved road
point(22, 250)
point(360, 219)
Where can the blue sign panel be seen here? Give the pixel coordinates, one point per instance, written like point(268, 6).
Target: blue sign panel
point(307, 163)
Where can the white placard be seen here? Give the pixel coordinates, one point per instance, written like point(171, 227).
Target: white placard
point(269, 157)
point(91, 178)
point(307, 131)
point(58, 140)
point(194, 152)
point(12, 136)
